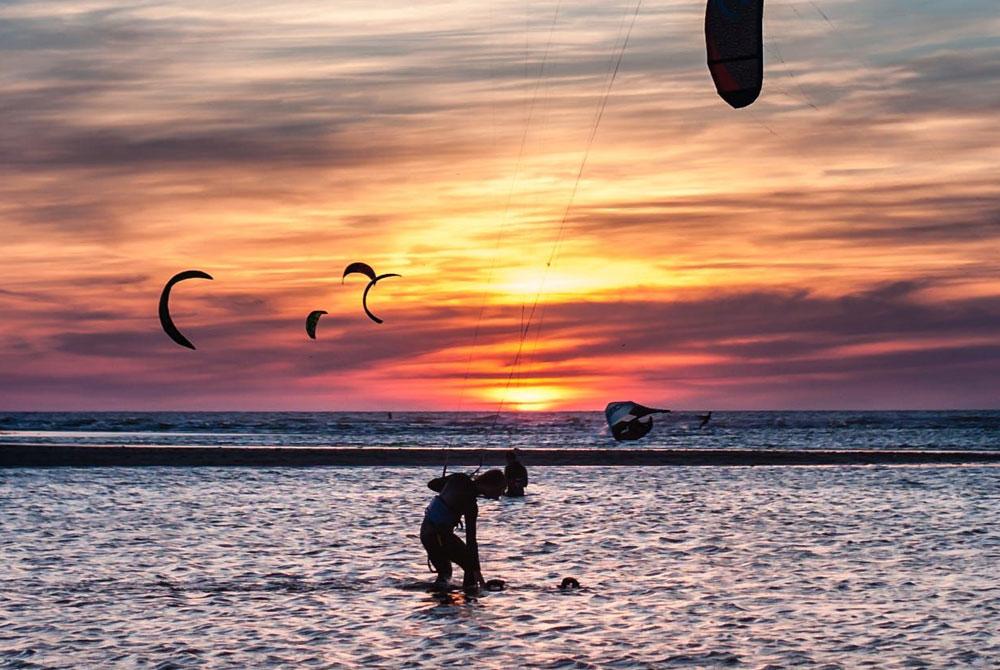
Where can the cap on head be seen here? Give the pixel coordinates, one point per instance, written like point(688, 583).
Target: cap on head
point(491, 483)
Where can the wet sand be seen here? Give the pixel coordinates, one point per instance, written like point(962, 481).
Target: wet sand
point(40, 455)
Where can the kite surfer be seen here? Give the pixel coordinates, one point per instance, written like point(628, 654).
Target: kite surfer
point(455, 499)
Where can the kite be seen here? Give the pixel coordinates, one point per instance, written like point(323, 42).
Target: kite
point(311, 321)
point(366, 270)
point(734, 42)
point(625, 419)
point(168, 324)
point(359, 268)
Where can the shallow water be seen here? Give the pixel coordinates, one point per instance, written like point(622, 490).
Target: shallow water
point(681, 567)
point(726, 430)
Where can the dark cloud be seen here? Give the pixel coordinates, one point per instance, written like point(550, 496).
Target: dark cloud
point(292, 145)
point(946, 83)
point(786, 337)
point(721, 324)
point(895, 214)
point(84, 214)
point(138, 345)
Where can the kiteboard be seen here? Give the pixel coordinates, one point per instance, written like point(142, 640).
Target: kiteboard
point(492, 586)
point(567, 585)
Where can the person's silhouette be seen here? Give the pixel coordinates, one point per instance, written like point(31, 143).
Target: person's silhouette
point(456, 499)
point(517, 475)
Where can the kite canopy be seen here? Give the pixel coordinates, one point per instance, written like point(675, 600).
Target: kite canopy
point(364, 296)
point(165, 320)
point(311, 322)
point(625, 419)
point(735, 45)
point(360, 268)
point(368, 271)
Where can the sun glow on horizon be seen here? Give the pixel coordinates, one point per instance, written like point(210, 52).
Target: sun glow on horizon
point(530, 398)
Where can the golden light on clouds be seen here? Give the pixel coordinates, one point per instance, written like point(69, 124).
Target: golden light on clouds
point(843, 228)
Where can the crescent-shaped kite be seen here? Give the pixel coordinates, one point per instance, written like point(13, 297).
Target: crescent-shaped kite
point(359, 268)
point(368, 271)
point(311, 322)
point(735, 46)
point(168, 324)
point(364, 296)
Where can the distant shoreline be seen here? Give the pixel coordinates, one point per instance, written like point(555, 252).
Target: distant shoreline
point(42, 455)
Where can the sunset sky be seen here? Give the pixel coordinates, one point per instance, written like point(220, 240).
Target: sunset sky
point(836, 245)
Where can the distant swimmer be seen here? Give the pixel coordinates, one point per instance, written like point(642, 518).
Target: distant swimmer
point(456, 499)
point(705, 418)
point(496, 585)
point(516, 474)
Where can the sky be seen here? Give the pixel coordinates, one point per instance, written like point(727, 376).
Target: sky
point(833, 246)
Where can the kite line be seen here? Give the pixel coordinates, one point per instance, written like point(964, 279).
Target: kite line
point(601, 107)
point(510, 195)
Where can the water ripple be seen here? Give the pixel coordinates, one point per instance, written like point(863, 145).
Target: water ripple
point(679, 568)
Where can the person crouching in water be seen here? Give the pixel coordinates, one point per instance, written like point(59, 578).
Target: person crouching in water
point(517, 475)
point(456, 498)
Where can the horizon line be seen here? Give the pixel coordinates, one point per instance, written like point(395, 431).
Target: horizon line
point(488, 412)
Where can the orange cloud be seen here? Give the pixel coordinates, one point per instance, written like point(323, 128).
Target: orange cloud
point(845, 223)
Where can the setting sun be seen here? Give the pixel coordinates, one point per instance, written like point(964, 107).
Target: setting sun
point(530, 398)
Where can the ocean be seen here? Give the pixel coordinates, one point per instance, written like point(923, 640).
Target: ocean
point(954, 430)
point(680, 567)
point(764, 567)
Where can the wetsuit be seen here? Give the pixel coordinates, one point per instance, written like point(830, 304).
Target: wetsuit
point(517, 479)
point(456, 499)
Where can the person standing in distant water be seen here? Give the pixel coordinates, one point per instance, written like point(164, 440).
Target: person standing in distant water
point(705, 418)
point(517, 475)
point(456, 499)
